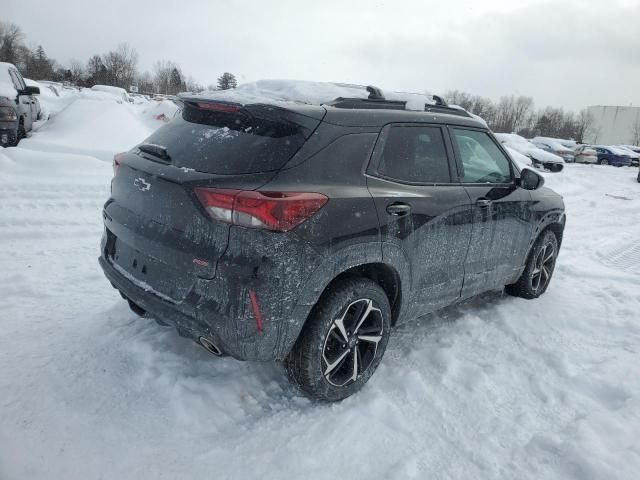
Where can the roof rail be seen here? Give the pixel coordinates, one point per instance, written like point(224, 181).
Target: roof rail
point(440, 101)
point(367, 103)
point(381, 104)
point(375, 93)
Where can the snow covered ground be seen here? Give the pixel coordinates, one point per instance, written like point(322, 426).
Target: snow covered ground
point(497, 388)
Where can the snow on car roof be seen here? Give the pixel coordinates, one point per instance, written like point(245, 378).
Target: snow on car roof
point(552, 142)
point(307, 92)
point(512, 138)
point(6, 85)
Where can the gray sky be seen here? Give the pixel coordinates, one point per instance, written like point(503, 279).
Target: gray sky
point(563, 53)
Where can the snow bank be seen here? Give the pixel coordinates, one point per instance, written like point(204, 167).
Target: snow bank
point(92, 124)
point(120, 94)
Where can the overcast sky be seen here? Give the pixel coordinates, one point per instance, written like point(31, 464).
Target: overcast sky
point(562, 53)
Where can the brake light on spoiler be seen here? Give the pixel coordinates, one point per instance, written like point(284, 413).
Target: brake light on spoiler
point(277, 211)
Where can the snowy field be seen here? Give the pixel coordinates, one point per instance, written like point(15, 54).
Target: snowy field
point(496, 388)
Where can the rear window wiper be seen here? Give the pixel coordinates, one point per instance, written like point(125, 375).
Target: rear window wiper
point(156, 150)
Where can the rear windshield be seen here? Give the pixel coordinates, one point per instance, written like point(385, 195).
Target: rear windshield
point(257, 138)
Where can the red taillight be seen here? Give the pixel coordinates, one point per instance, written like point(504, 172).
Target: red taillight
point(278, 211)
point(219, 107)
point(117, 158)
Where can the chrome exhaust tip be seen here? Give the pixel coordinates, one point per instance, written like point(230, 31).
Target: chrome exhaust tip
point(210, 347)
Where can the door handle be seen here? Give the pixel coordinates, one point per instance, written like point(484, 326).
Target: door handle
point(398, 209)
point(483, 202)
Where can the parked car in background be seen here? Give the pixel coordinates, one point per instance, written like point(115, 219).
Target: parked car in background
point(608, 155)
point(554, 146)
point(522, 161)
point(261, 247)
point(635, 156)
point(120, 94)
point(17, 111)
point(585, 154)
point(539, 157)
point(634, 148)
point(35, 105)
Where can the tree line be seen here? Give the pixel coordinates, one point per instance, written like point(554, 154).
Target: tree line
point(516, 114)
point(117, 67)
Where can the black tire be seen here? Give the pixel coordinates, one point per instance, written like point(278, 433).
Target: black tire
point(346, 303)
point(539, 268)
point(603, 161)
point(18, 135)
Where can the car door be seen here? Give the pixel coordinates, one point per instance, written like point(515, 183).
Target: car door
point(502, 213)
point(24, 101)
point(424, 213)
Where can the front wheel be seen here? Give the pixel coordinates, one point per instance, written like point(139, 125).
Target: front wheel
point(343, 341)
point(539, 268)
point(604, 161)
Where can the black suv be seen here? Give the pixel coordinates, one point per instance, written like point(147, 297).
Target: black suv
point(304, 234)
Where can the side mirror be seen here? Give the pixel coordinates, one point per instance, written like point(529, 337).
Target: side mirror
point(530, 180)
point(28, 90)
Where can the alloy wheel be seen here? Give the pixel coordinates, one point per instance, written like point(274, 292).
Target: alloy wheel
point(352, 342)
point(543, 267)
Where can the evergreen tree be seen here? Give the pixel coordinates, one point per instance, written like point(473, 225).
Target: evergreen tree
point(227, 81)
point(175, 81)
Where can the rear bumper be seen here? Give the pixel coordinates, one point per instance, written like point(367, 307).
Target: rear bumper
point(221, 308)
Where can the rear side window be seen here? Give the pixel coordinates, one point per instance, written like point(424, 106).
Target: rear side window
point(254, 139)
point(415, 154)
point(482, 160)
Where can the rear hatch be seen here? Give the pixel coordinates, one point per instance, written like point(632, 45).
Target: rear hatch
point(158, 233)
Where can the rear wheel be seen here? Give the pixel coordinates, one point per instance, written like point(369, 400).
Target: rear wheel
point(603, 161)
point(539, 268)
point(343, 341)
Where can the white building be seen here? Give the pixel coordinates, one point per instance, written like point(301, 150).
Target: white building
point(614, 125)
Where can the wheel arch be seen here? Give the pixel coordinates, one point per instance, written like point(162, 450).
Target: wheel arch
point(369, 266)
point(381, 273)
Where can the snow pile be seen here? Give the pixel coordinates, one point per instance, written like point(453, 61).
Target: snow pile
point(120, 94)
point(155, 111)
point(314, 93)
point(53, 98)
point(95, 123)
point(6, 84)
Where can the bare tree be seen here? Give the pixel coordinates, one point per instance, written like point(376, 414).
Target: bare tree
point(10, 39)
point(121, 65)
point(162, 70)
point(584, 125)
point(145, 83)
point(77, 71)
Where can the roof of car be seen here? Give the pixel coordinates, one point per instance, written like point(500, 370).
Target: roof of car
point(368, 117)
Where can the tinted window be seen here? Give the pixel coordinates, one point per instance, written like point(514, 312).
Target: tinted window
point(482, 160)
point(415, 154)
point(20, 80)
point(250, 140)
point(14, 80)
